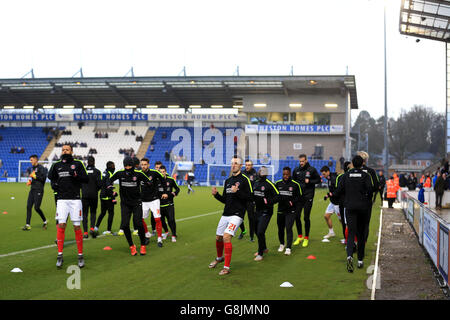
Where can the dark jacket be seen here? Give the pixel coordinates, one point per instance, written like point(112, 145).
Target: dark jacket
point(68, 174)
point(152, 191)
point(107, 192)
point(265, 195)
point(291, 195)
point(375, 182)
point(357, 187)
point(332, 186)
point(169, 186)
point(130, 185)
point(301, 173)
point(439, 186)
point(41, 175)
point(252, 175)
point(235, 203)
point(90, 189)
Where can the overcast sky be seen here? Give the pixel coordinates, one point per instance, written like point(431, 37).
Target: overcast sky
point(158, 38)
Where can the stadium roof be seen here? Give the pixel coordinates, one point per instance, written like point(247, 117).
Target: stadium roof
point(164, 91)
point(428, 19)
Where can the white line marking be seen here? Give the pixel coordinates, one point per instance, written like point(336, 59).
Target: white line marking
point(100, 236)
point(375, 272)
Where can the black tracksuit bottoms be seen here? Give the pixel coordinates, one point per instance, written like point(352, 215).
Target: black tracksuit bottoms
point(262, 222)
point(35, 198)
point(136, 211)
point(306, 206)
point(168, 213)
point(106, 206)
point(89, 204)
point(356, 223)
point(285, 220)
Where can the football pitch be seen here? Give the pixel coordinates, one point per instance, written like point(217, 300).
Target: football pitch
point(178, 270)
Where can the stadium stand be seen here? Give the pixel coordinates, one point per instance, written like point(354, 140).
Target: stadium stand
point(32, 139)
point(162, 143)
point(107, 149)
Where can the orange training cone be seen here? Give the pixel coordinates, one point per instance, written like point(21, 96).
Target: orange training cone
point(311, 258)
point(107, 248)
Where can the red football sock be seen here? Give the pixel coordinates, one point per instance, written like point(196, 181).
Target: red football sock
point(158, 227)
point(79, 239)
point(228, 250)
point(346, 233)
point(145, 226)
point(306, 237)
point(60, 234)
point(219, 248)
point(300, 236)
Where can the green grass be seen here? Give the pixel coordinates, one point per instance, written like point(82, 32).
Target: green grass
point(178, 270)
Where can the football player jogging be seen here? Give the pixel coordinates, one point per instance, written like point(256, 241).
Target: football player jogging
point(38, 176)
point(68, 174)
point(250, 173)
point(290, 200)
point(236, 192)
point(375, 188)
point(170, 190)
point(89, 197)
point(158, 165)
point(151, 196)
point(107, 199)
point(333, 207)
point(130, 181)
point(307, 177)
point(266, 195)
point(357, 188)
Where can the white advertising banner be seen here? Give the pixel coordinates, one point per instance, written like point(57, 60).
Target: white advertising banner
point(430, 227)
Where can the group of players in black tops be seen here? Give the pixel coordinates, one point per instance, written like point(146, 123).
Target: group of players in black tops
point(152, 190)
point(141, 192)
point(350, 195)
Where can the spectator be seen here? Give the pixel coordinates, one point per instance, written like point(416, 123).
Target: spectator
point(410, 183)
point(1, 163)
point(446, 166)
point(167, 156)
point(5, 174)
point(439, 188)
point(164, 135)
point(133, 133)
point(152, 148)
point(1, 138)
point(127, 132)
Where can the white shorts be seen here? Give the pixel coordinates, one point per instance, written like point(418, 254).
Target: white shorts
point(333, 208)
point(153, 206)
point(228, 225)
point(64, 208)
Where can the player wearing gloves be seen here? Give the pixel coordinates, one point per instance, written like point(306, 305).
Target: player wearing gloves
point(68, 174)
point(38, 176)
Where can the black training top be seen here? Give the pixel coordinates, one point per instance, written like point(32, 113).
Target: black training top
point(68, 174)
point(235, 203)
point(306, 172)
point(356, 185)
point(106, 193)
point(150, 191)
point(168, 186)
point(290, 195)
point(41, 175)
point(265, 194)
point(130, 185)
point(90, 189)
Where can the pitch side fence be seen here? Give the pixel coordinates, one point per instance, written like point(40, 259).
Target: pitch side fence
point(431, 230)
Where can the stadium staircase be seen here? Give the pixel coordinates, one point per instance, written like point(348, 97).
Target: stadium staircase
point(48, 150)
point(145, 144)
point(107, 148)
